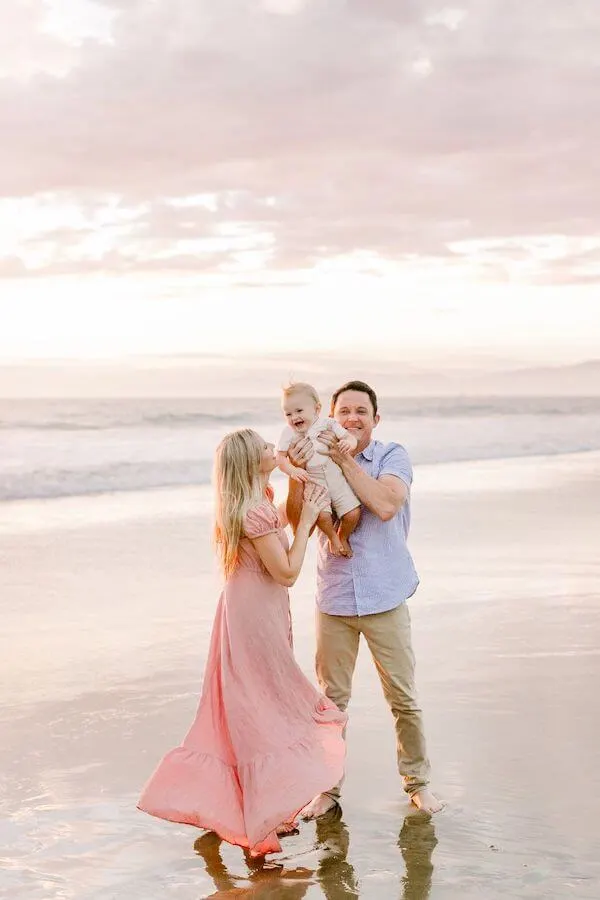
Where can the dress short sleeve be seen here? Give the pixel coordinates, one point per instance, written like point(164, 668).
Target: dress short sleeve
point(261, 520)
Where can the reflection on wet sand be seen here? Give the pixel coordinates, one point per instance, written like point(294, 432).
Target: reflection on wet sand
point(417, 841)
point(334, 872)
point(267, 880)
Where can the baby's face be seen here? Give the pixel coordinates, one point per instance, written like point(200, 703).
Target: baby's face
point(300, 411)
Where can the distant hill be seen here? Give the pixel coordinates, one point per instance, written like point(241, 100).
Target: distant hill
point(264, 377)
point(582, 379)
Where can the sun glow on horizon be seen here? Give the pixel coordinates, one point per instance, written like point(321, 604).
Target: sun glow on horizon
point(148, 206)
point(108, 317)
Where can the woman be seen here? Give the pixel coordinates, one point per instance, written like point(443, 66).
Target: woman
point(264, 740)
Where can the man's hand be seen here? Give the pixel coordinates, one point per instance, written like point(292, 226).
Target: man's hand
point(300, 451)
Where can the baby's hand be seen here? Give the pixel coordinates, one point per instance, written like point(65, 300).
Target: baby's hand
point(298, 474)
point(345, 445)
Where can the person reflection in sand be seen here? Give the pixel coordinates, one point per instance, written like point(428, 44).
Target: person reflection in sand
point(417, 841)
point(264, 882)
point(334, 873)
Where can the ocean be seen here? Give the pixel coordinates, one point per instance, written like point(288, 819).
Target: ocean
point(57, 448)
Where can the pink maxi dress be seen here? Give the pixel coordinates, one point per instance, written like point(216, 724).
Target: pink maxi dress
point(264, 741)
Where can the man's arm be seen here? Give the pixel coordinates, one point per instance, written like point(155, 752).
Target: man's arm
point(383, 496)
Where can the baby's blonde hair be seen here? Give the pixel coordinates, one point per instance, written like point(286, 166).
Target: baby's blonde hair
point(301, 387)
point(237, 484)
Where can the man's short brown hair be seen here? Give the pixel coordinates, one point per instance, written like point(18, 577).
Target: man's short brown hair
point(355, 386)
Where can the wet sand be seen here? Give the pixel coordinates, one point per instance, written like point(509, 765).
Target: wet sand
point(106, 610)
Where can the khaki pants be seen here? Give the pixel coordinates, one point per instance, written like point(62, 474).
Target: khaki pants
point(389, 640)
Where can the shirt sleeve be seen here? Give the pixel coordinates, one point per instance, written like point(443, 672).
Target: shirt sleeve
point(285, 439)
point(260, 520)
point(396, 461)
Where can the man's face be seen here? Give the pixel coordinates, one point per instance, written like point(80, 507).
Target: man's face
point(354, 411)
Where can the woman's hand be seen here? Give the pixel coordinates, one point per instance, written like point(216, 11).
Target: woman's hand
point(315, 501)
point(297, 474)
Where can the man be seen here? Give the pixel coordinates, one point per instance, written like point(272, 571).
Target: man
point(367, 593)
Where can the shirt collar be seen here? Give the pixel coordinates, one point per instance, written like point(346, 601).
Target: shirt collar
point(368, 451)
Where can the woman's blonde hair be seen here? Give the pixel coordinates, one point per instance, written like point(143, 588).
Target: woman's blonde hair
point(238, 486)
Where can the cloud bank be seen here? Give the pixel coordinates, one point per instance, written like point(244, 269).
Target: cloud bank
point(245, 136)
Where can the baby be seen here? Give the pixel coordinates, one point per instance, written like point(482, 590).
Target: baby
point(302, 409)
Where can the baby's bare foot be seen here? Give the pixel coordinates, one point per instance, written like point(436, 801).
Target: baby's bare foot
point(346, 548)
point(336, 547)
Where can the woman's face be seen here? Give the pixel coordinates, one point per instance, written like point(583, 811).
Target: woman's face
point(267, 460)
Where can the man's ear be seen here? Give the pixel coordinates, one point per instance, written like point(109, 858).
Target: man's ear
point(318, 408)
point(377, 418)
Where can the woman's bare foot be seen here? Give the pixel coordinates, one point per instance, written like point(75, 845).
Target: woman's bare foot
point(287, 828)
point(320, 805)
point(426, 801)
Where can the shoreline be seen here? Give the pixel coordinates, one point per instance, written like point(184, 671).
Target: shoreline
point(22, 515)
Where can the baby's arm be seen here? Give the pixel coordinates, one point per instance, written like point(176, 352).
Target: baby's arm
point(286, 465)
point(347, 441)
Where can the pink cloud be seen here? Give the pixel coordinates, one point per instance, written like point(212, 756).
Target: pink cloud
point(317, 127)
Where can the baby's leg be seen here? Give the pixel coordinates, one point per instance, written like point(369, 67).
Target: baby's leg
point(348, 523)
point(325, 524)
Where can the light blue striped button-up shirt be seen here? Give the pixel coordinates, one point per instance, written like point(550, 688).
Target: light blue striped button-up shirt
point(381, 574)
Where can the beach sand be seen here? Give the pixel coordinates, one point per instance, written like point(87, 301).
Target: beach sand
point(107, 604)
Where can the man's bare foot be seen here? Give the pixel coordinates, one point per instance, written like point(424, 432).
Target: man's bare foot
point(287, 828)
point(320, 805)
point(335, 546)
point(426, 801)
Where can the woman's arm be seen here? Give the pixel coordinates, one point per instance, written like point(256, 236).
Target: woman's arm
point(282, 513)
point(284, 566)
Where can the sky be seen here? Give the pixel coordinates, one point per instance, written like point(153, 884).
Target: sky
point(253, 177)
